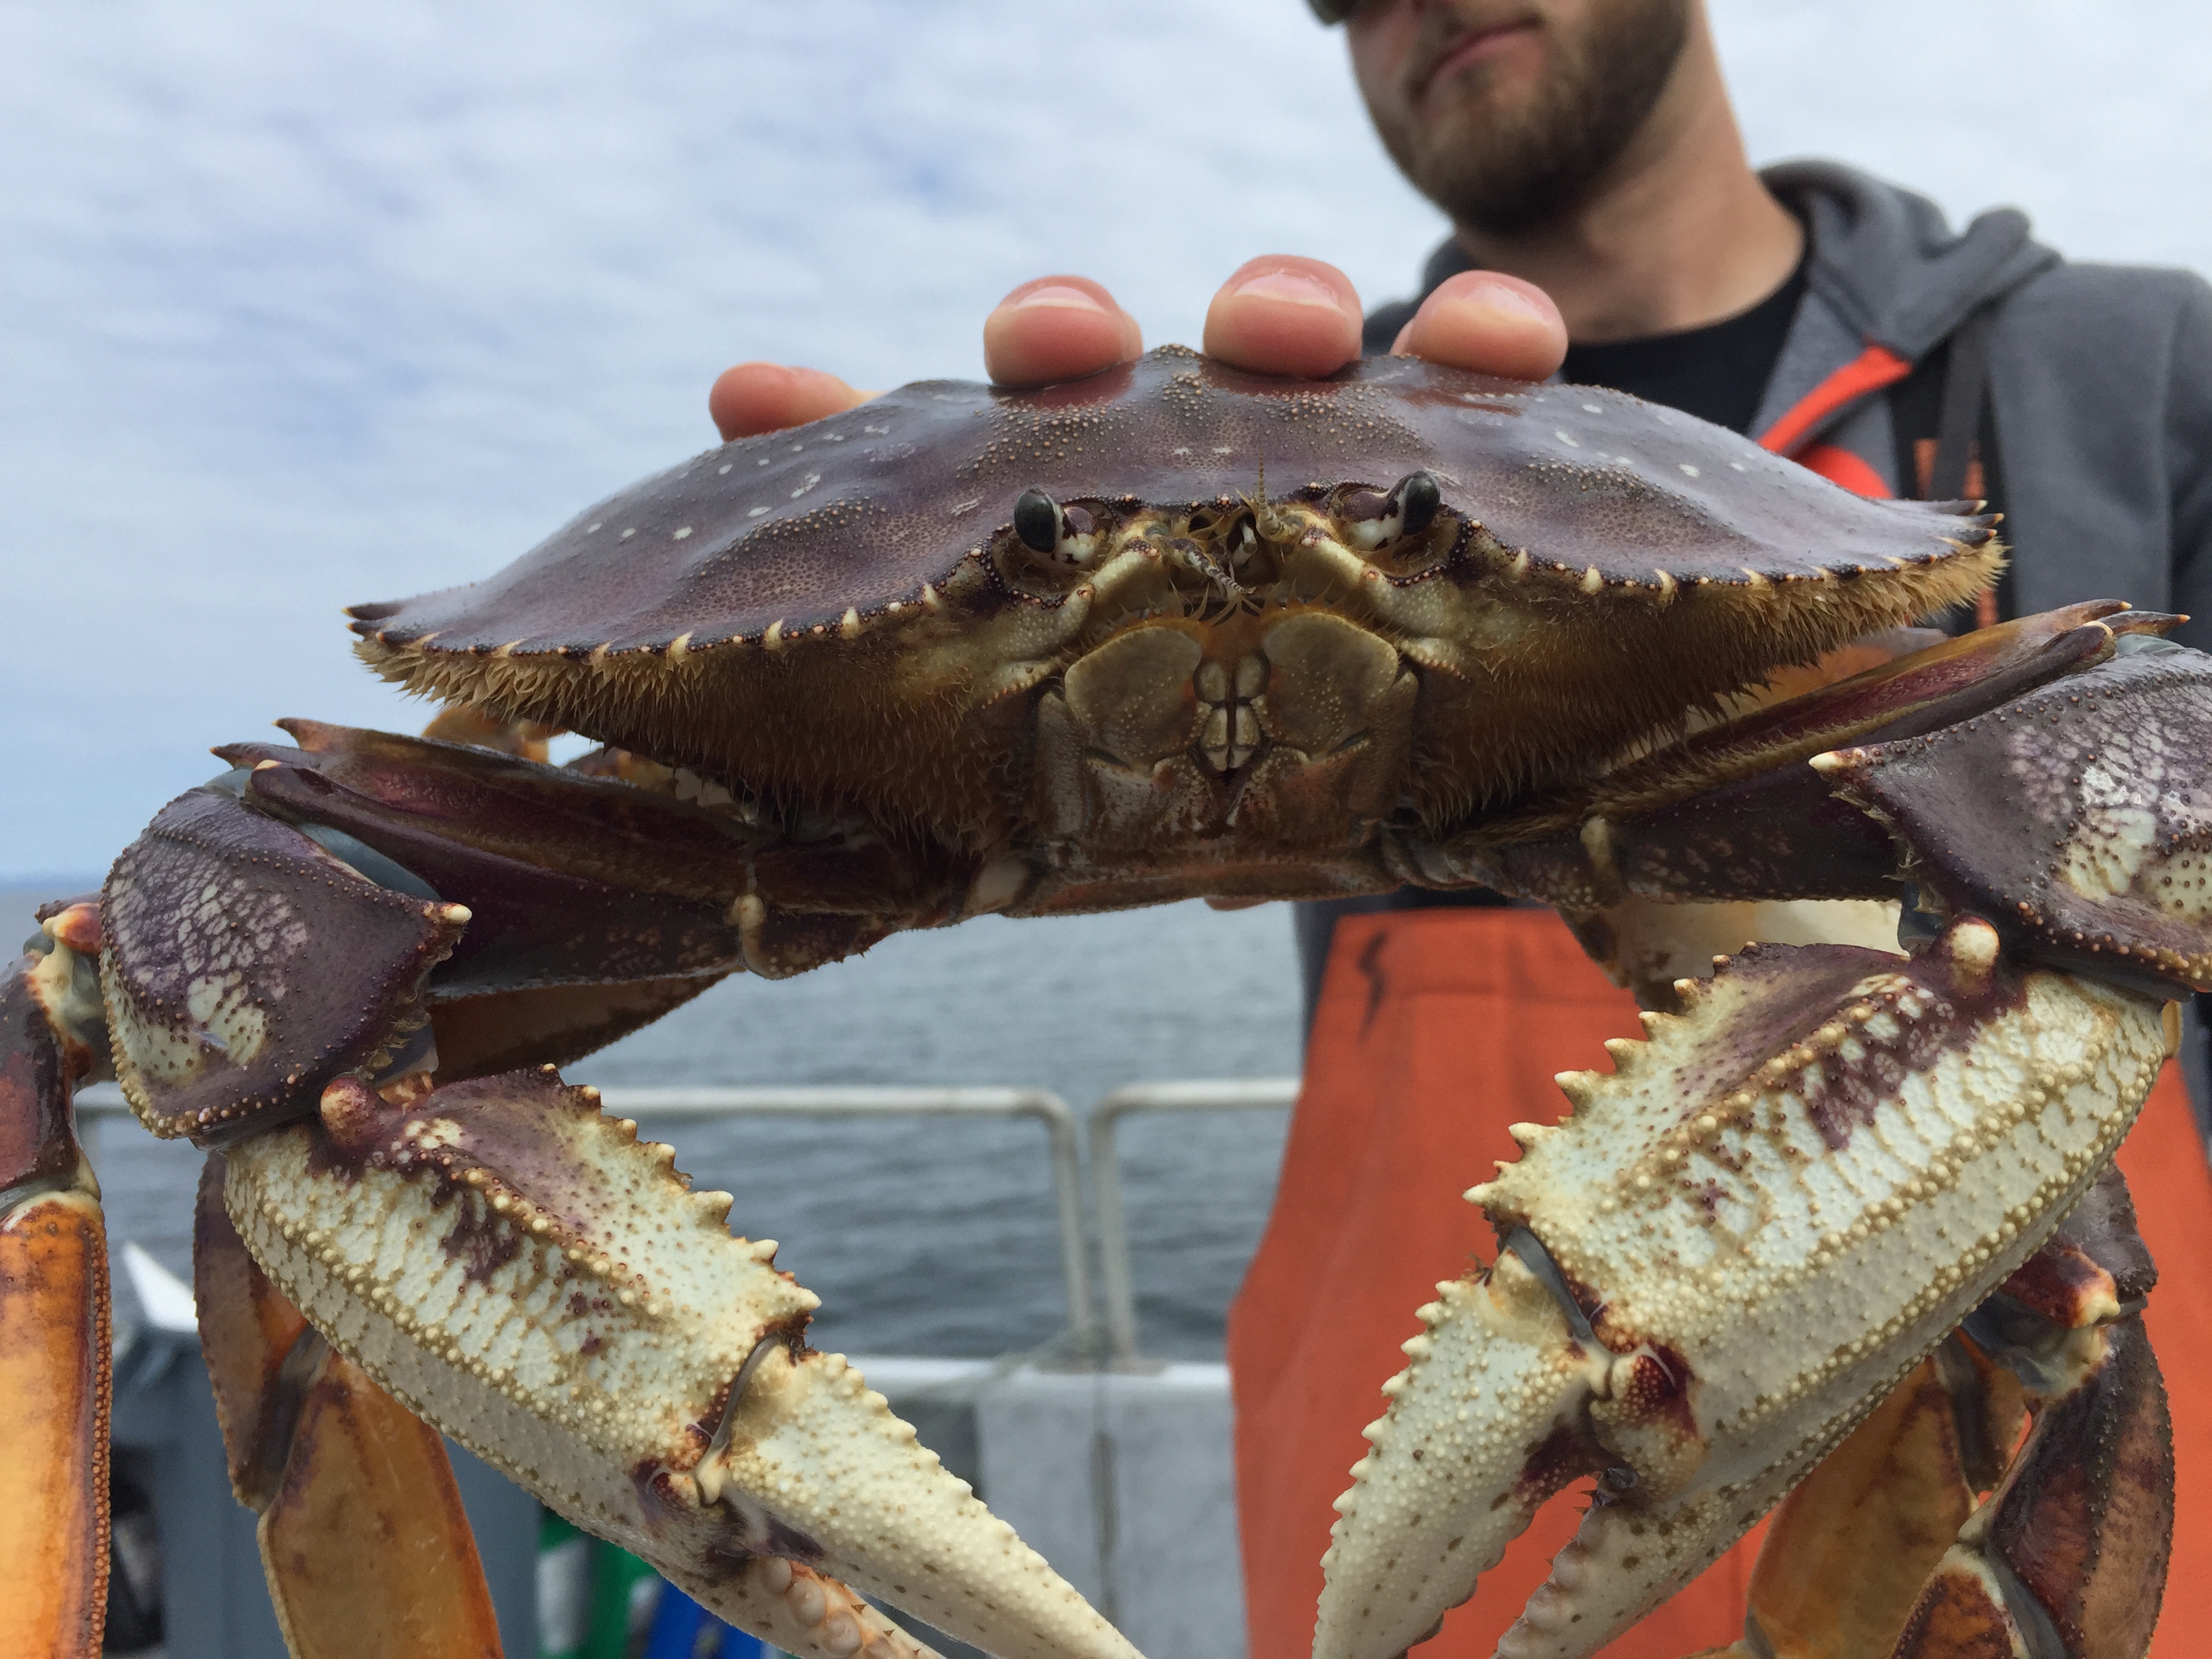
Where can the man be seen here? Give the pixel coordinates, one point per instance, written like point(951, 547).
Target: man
point(1585, 151)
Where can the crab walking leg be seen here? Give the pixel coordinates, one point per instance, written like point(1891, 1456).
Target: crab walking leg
point(547, 1289)
point(53, 1307)
point(1766, 1215)
point(1850, 1551)
point(2069, 1555)
point(366, 1548)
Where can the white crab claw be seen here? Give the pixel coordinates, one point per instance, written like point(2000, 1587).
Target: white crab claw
point(524, 1272)
point(1764, 1217)
point(1457, 1469)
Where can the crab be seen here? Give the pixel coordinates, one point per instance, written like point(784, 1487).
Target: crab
point(1174, 629)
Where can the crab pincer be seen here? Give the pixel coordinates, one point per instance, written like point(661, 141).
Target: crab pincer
point(486, 1248)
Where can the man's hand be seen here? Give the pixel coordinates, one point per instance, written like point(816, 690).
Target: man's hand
point(1278, 314)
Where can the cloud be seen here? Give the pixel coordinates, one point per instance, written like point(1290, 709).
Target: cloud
point(315, 305)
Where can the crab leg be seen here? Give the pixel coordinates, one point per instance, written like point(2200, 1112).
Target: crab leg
point(504, 1262)
point(366, 1546)
point(1743, 1218)
point(2069, 1556)
point(1850, 1551)
point(53, 1304)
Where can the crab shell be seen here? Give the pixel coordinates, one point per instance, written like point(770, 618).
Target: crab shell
point(1238, 654)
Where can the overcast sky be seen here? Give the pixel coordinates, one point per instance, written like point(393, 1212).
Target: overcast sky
point(311, 305)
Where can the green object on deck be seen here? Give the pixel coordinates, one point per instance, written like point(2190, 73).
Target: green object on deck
point(588, 1604)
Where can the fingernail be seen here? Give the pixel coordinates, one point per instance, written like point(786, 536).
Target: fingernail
point(1055, 297)
point(1292, 288)
point(1500, 297)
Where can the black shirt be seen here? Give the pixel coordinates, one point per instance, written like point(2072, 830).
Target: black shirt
point(1717, 373)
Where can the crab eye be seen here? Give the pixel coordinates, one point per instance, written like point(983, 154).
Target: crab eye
point(1415, 502)
point(1372, 520)
point(1064, 535)
point(1037, 521)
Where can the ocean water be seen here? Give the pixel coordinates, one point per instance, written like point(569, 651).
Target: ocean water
point(936, 1237)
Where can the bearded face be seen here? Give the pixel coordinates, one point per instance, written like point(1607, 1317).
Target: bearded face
point(1506, 113)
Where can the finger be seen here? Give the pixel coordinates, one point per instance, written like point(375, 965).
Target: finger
point(1489, 322)
point(754, 397)
point(1057, 328)
point(1282, 314)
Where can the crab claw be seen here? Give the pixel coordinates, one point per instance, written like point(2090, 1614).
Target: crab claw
point(1456, 1473)
point(524, 1272)
point(1730, 1253)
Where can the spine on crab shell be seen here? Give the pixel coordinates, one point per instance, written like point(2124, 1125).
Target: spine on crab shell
point(525, 1273)
point(53, 1303)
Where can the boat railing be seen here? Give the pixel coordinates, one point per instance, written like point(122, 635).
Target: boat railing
point(1117, 1282)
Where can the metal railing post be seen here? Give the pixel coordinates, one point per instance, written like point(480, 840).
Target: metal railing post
point(1115, 1285)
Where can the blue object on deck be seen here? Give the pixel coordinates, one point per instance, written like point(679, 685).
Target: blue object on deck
point(682, 1629)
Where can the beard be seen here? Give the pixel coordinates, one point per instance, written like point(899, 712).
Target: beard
point(1507, 166)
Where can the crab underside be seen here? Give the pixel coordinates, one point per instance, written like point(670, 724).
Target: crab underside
point(1847, 1209)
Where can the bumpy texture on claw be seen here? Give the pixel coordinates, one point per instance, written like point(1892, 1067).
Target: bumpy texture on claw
point(525, 1273)
point(1767, 1215)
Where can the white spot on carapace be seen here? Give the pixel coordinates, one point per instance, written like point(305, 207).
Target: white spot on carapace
point(755, 512)
point(682, 532)
point(629, 532)
point(589, 528)
point(795, 448)
point(724, 467)
point(1739, 467)
point(1592, 409)
point(762, 462)
point(1687, 470)
point(805, 484)
point(968, 505)
point(1179, 449)
point(880, 431)
point(1567, 438)
point(1223, 449)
